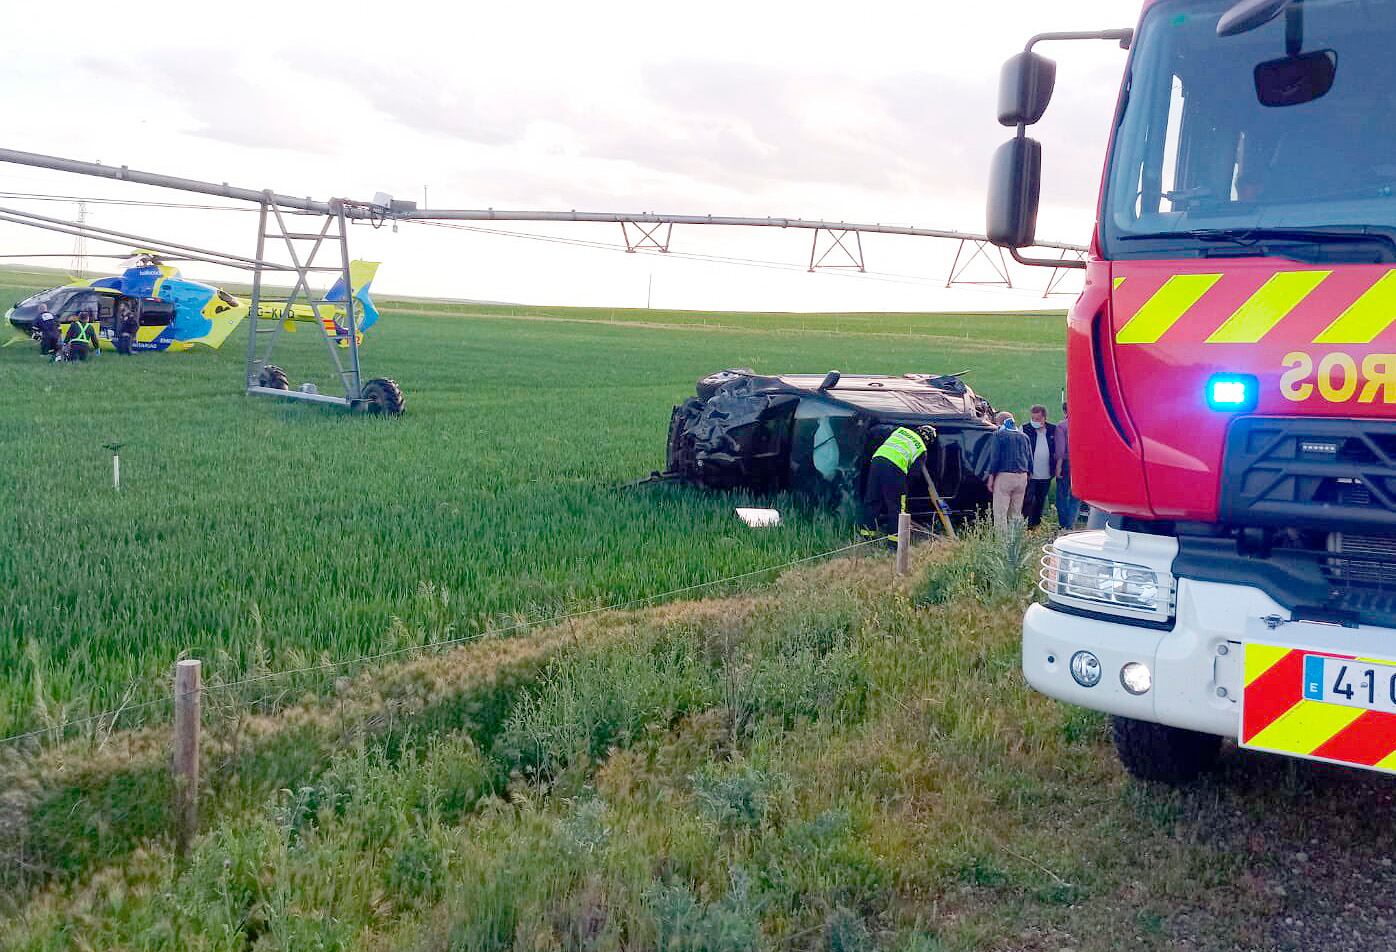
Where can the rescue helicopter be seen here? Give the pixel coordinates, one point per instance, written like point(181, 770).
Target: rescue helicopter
point(150, 306)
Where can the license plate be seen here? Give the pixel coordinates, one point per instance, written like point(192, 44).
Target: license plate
point(1352, 683)
point(1320, 705)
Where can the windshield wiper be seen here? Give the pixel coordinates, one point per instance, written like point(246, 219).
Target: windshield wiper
point(1285, 242)
point(1320, 236)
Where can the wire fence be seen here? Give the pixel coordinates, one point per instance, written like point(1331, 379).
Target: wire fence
point(84, 808)
point(107, 720)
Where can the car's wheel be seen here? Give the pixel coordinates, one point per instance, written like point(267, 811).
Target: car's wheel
point(383, 397)
point(273, 377)
point(678, 452)
point(1159, 752)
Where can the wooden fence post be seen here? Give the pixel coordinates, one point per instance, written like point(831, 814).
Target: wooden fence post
point(186, 752)
point(903, 543)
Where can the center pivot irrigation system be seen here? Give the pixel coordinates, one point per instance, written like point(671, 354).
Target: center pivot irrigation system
point(302, 246)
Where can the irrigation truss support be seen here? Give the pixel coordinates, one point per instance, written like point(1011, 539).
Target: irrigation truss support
point(846, 257)
point(266, 323)
point(991, 255)
point(1058, 276)
point(647, 237)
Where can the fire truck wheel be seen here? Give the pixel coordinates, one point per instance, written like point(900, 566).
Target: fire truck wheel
point(383, 397)
point(274, 377)
point(1159, 752)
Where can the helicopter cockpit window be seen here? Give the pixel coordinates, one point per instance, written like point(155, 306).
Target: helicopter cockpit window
point(55, 298)
point(75, 304)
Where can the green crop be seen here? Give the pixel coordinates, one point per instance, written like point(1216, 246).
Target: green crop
point(260, 535)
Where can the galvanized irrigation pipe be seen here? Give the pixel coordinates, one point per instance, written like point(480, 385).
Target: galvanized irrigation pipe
point(363, 211)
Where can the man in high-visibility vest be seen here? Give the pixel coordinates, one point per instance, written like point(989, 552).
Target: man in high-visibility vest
point(889, 477)
point(81, 338)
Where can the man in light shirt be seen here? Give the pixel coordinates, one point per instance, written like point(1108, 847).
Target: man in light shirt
point(1042, 442)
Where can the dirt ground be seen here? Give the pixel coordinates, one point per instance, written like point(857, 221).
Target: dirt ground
point(1320, 850)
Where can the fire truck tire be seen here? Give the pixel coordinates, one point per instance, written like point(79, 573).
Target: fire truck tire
point(274, 377)
point(1162, 753)
point(383, 397)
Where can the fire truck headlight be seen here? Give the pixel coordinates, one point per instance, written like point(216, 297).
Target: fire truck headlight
point(1135, 678)
point(1085, 669)
point(1104, 585)
point(1235, 393)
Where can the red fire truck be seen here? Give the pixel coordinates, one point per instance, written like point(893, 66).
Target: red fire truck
point(1231, 377)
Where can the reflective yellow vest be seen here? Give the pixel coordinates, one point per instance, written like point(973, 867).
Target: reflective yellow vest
point(902, 448)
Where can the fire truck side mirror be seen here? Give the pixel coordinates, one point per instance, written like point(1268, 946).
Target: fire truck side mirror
point(1015, 180)
point(1025, 88)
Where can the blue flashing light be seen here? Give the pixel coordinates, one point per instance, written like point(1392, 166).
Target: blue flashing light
point(1232, 392)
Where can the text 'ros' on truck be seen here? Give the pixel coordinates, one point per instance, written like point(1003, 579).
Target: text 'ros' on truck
point(1231, 373)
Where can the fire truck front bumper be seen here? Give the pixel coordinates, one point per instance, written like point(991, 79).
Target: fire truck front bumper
point(1217, 657)
point(1188, 677)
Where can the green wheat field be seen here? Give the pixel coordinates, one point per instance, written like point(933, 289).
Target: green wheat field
point(258, 535)
point(823, 759)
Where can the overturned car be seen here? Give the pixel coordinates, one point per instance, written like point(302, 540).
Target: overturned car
point(815, 435)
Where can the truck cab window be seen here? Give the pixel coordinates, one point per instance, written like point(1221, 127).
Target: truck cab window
point(1196, 149)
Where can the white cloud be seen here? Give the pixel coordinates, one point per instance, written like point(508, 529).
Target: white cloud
point(881, 113)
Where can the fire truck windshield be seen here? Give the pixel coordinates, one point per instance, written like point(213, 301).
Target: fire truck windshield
point(1200, 165)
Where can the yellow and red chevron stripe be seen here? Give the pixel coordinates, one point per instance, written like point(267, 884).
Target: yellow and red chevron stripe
point(1244, 305)
point(1276, 716)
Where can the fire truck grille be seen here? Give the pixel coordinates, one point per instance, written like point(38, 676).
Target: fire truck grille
point(1350, 576)
point(1361, 564)
point(1311, 473)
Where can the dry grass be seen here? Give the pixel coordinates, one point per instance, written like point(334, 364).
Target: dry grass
point(829, 765)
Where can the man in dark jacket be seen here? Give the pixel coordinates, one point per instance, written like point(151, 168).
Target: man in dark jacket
point(1068, 506)
point(47, 330)
point(1042, 445)
point(1007, 477)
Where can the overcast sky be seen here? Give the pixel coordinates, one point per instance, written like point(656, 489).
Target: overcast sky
point(879, 112)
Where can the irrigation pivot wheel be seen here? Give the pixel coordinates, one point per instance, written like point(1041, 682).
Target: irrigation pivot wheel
point(273, 377)
point(383, 397)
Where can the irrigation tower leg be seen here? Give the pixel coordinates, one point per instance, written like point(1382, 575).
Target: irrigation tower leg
point(254, 370)
point(353, 381)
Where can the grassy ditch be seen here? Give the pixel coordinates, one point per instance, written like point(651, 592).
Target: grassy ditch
point(838, 763)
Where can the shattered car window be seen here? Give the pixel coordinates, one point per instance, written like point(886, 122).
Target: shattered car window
point(826, 449)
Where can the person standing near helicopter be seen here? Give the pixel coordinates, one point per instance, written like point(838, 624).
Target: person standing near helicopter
point(47, 331)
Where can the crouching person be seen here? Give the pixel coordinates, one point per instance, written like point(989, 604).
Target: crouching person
point(81, 339)
point(889, 478)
